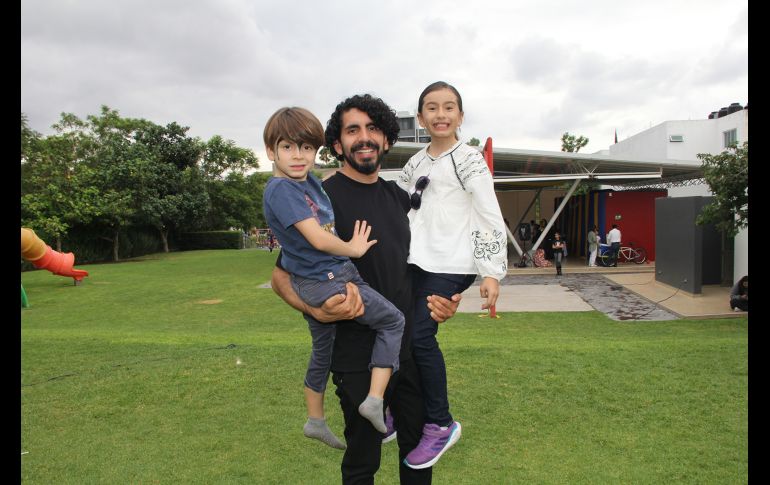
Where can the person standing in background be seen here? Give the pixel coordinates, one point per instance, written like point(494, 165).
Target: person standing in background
point(535, 230)
point(558, 251)
point(613, 239)
point(593, 245)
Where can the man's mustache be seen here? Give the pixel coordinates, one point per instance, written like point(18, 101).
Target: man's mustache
point(365, 144)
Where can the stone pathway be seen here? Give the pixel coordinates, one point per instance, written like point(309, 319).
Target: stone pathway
point(604, 295)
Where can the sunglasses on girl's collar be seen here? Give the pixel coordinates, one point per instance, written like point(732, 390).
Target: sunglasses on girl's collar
point(416, 199)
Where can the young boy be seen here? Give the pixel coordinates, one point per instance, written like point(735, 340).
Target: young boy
point(300, 215)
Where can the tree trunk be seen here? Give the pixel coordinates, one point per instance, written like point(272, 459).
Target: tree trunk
point(58, 243)
point(728, 253)
point(115, 246)
point(164, 238)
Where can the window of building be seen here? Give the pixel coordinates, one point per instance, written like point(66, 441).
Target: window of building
point(406, 123)
point(730, 136)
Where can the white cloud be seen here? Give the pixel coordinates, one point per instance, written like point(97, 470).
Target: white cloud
point(527, 71)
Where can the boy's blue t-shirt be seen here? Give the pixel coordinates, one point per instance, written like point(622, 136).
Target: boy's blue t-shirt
point(286, 202)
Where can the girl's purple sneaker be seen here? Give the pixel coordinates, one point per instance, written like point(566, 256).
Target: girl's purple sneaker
point(390, 435)
point(434, 443)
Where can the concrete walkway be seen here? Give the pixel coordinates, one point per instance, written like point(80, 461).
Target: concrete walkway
point(536, 297)
point(628, 292)
point(712, 302)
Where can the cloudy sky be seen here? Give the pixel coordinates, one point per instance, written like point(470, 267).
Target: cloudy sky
point(527, 70)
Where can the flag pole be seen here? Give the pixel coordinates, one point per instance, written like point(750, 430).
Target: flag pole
point(488, 157)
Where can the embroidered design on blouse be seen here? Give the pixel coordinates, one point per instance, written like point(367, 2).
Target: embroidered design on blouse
point(470, 167)
point(486, 245)
point(468, 164)
point(408, 171)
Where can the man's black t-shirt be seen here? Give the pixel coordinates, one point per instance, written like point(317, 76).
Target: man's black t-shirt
point(384, 206)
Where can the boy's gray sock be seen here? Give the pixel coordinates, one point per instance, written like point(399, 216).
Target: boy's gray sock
point(371, 409)
point(317, 429)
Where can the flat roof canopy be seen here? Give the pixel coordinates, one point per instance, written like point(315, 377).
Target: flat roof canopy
point(517, 169)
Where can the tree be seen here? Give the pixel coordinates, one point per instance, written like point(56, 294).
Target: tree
point(236, 201)
point(727, 175)
point(55, 193)
point(569, 143)
point(114, 174)
point(29, 138)
point(171, 144)
point(474, 142)
point(328, 158)
point(121, 170)
point(174, 194)
point(221, 156)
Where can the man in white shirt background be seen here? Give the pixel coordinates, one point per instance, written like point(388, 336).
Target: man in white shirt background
point(613, 239)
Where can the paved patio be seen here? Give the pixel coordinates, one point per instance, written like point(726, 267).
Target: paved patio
point(627, 292)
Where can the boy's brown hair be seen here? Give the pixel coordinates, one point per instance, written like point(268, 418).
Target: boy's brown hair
point(294, 124)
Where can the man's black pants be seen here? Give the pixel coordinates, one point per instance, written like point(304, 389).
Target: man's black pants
point(364, 443)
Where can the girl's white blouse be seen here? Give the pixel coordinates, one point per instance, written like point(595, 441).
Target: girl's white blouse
point(458, 228)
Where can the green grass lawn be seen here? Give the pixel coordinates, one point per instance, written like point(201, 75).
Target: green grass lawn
point(181, 368)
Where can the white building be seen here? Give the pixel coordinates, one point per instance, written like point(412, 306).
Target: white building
point(683, 141)
point(409, 128)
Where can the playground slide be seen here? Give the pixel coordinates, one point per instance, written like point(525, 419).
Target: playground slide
point(37, 252)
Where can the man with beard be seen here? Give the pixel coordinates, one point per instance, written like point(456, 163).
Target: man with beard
point(361, 131)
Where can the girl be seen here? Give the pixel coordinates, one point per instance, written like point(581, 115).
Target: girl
point(558, 251)
point(457, 232)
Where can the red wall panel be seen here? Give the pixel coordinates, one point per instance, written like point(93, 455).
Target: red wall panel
point(634, 213)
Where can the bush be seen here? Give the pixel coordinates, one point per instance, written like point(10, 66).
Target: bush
point(189, 241)
point(89, 245)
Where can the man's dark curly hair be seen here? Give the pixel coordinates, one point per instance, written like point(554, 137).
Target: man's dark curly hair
point(383, 117)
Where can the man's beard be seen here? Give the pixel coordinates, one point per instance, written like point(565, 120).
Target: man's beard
point(368, 167)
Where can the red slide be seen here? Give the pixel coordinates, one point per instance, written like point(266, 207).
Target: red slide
point(34, 250)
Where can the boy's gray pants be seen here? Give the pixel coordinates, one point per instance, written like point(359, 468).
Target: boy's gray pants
point(379, 314)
